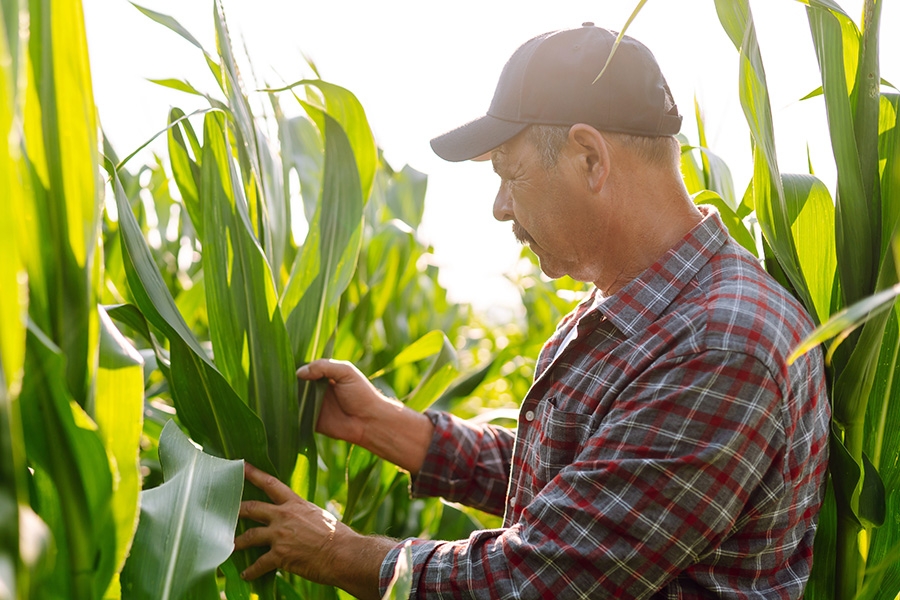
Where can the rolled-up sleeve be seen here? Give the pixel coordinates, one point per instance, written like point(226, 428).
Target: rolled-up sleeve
point(466, 463)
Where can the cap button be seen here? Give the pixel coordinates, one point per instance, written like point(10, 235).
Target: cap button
point(587, 24)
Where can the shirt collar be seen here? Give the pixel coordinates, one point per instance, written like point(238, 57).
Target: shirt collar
point(633, 308)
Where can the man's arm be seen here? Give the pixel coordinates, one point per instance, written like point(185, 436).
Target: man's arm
point(659, 485)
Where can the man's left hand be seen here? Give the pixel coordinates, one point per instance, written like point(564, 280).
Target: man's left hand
point(299, 534)
point(308, 541)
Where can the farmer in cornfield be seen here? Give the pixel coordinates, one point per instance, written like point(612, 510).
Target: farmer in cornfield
point(666, 448)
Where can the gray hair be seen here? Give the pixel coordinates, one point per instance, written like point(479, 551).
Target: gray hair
point(663, 151)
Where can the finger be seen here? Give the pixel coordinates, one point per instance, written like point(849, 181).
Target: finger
point(261, 512)
point(337, 370)
point(274, 489)
point(255, 536)
point(263, 565)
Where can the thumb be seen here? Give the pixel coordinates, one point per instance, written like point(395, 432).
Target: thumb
point(339, 371)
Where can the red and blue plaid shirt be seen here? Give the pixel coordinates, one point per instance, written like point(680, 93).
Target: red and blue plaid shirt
point(668, 451)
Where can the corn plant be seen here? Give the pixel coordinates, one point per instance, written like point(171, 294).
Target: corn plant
point(72, 389)
point(273, 304)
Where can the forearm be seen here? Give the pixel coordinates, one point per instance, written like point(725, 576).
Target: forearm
point(399, 435)
point(356, 563)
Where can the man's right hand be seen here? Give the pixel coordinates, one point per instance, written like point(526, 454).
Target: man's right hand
point(354, 410)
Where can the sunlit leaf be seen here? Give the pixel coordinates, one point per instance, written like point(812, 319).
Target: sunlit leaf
point(735, 225)
point(857, 242)
point(249, 337)
point(118, 410)
point(62, 442)
point(187, 524)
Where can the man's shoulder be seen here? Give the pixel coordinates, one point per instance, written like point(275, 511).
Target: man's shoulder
point(742, 308)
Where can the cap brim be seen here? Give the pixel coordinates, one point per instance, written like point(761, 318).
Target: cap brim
point(475, 138)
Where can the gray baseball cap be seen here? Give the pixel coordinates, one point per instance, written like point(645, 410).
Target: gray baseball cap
point(549, 80)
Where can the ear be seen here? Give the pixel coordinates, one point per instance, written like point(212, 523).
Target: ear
point(591, 152)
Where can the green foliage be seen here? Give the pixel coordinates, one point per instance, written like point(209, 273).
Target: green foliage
point(186, 523)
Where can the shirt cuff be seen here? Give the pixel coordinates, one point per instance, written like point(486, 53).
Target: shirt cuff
point(450, 460)
point(421, 551)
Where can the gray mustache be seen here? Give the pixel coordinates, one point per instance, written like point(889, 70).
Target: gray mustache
point(520, 234)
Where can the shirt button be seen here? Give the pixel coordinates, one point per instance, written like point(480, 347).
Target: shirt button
point(512, 501)
point(529, 415)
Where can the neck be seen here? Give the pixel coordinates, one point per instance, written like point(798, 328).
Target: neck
point(659, 214)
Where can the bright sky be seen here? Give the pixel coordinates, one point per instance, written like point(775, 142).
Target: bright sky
point(422, 68)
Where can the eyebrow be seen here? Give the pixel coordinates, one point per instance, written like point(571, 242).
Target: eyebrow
point(498, 159)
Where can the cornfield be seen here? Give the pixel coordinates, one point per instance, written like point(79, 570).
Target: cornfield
point(152, 317)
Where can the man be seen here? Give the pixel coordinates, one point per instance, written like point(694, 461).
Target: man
point(666, 448)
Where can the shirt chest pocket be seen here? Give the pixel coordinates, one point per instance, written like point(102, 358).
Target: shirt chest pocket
point(560, 436)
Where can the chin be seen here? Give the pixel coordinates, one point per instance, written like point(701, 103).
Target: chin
point(551, 272)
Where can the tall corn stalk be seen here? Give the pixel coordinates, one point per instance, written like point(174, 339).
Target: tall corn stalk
point(72, 389)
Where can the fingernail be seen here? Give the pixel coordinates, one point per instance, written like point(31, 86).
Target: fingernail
point(303, 370)
point(244, 575)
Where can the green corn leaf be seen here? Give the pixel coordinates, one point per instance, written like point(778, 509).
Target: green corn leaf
point(857, 242)
point(62, 443)
point(360, 464)
point(440, 374)
point(735, 225)
point(246, 132)
point(206, 404)
point(842, 323)
point(716, 174)
point(14, 300)
point(345, 108)
point(13, 311)
point(882, 435)
point(60, 126)
point(811, 214)
point(118, 405)
point(177, 84)
point(262, 177)
point(171, 23)
point(619, 37)
point(877, 571)
point(405, 196)
point(691, 172)
point(312, 288)
point(186, 170)
point(859, 489)
point(302, 150)
point(768, 193)
point(388, 255)
point(889, 152)
point(71, 120)
point(187, 524)
point(427, 346)
point(245, 318)
point(131, 316)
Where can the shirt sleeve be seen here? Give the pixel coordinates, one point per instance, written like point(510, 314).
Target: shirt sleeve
point(466, 463)
point(660, 482)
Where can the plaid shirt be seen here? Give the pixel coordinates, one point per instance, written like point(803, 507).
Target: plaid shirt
point(668, 451)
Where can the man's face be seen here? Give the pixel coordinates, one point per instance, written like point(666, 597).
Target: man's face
point(550, 208)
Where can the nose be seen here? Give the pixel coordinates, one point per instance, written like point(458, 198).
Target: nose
point(503, 205)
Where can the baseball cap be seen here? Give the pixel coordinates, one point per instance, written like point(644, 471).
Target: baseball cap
point(549, 80)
